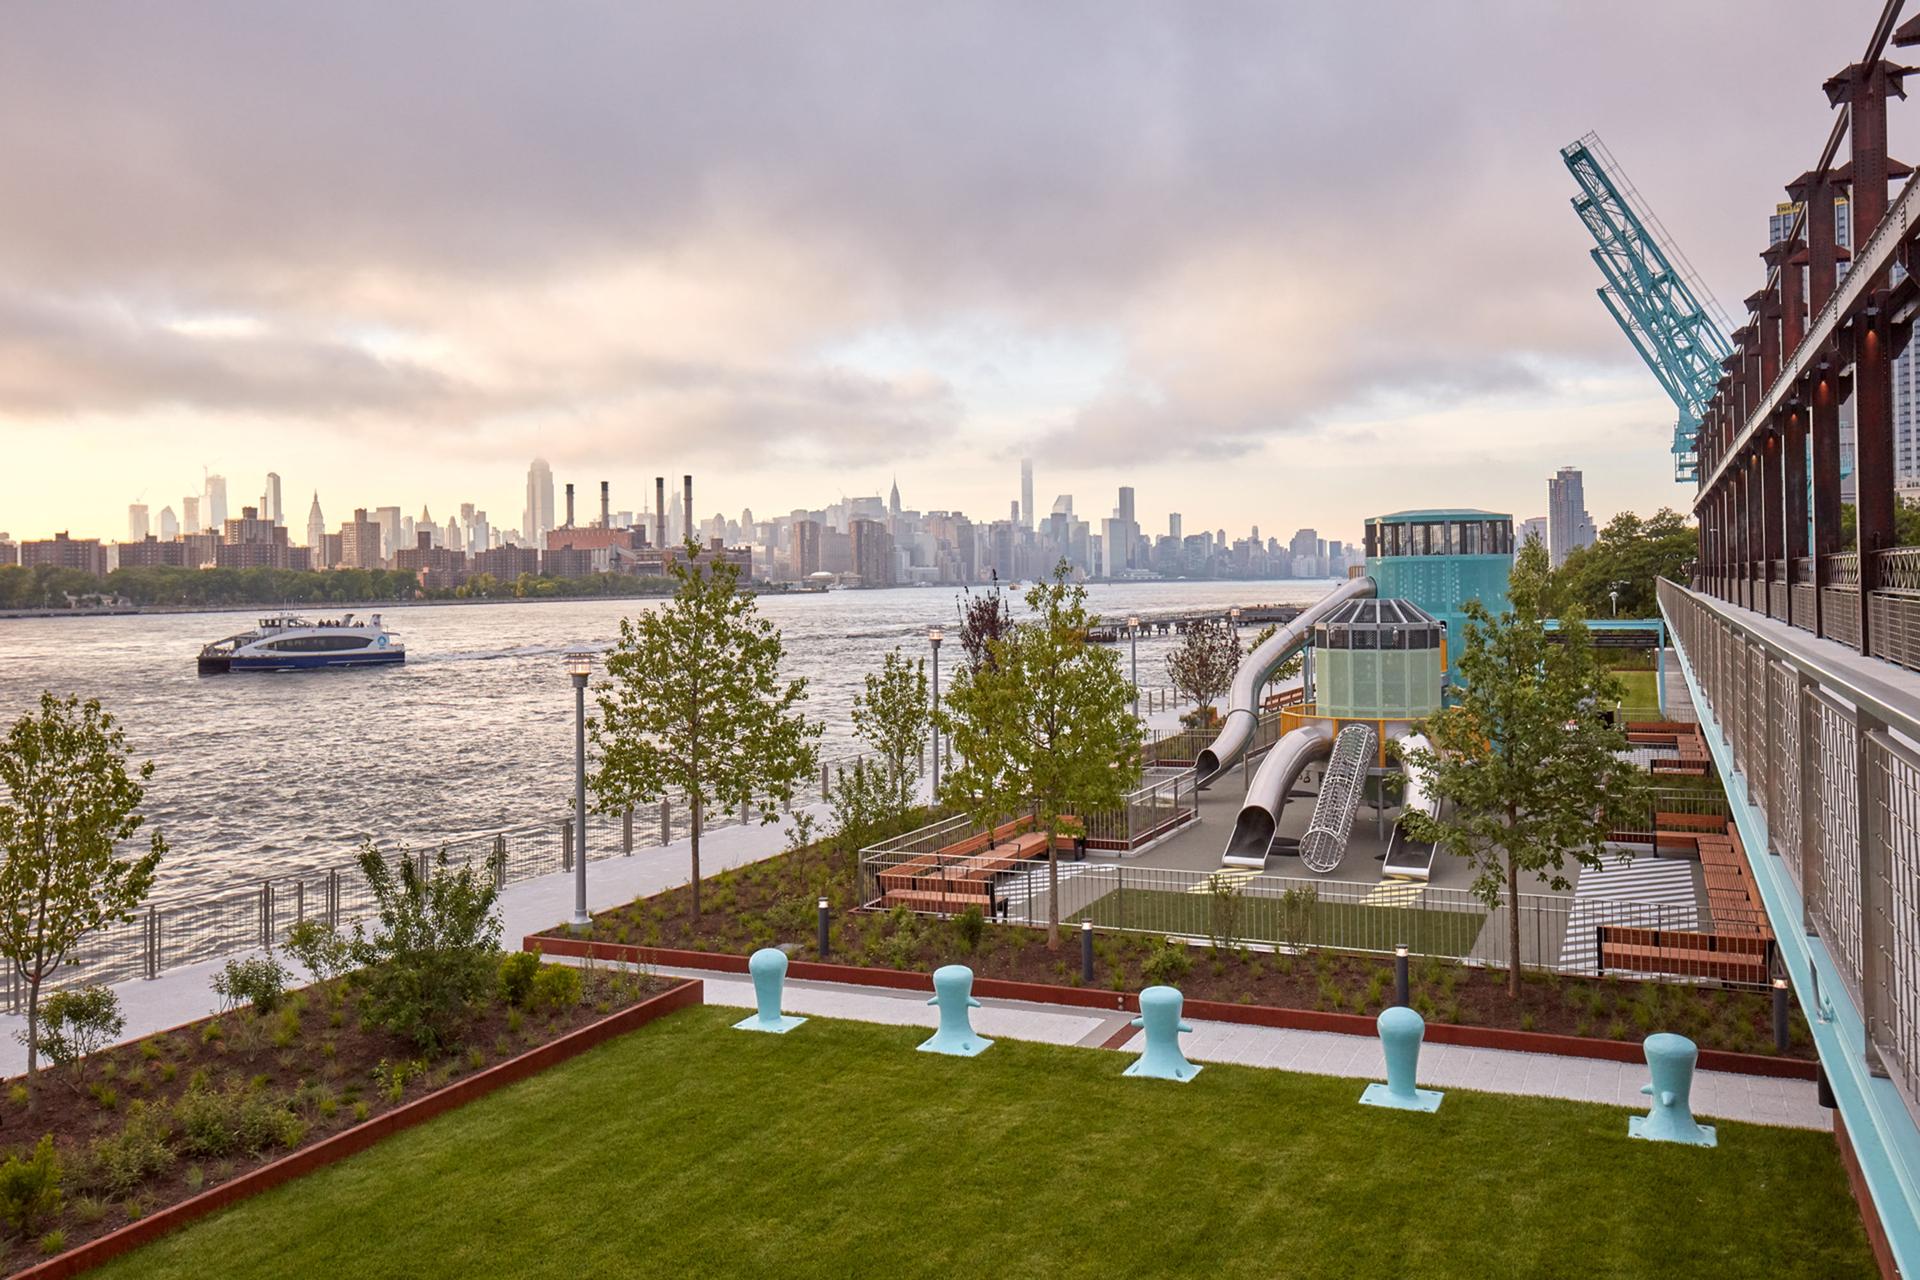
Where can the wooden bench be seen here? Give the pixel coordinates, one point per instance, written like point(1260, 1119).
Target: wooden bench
point(1002, 857)
point(1711, 822)
point(1729, 957)
point(954, 897)
point(902, 875)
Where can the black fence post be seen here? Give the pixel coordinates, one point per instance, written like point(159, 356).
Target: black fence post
point(1086, 951)
point(825, 922)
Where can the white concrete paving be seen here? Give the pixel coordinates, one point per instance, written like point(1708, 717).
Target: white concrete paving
point(1716, 1094)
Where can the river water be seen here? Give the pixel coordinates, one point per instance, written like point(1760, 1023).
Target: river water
point(261, 774)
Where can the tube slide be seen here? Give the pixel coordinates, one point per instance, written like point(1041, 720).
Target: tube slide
point(1243, 703)
point(1259, 819)
point(1408, 859)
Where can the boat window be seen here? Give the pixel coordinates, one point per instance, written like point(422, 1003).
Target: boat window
point(317, 644)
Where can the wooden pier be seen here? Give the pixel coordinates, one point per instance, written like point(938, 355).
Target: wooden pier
point(1174, 622)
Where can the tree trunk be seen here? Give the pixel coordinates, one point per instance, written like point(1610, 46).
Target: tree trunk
point(696, 857)
point(1513, 927)
point(33, 1042)
point(1053, 893)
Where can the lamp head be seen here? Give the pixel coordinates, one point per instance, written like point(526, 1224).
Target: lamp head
point(935, 635)
point(579, 663)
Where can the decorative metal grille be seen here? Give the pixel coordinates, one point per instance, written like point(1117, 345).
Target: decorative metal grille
point(1836, 908)
point(1840, 615)
point(1899, 969)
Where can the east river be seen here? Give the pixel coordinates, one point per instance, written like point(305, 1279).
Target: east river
point(259, 774)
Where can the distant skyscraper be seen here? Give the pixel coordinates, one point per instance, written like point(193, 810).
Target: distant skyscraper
point(1568, 524)
point(1173, 525)
point(893, 500)
point(169, 525)
point(1026, 493)
point(1531, 527)
point(391, 532)
point(537, 518)
point(271, 510)
point(190, 514)
point(137, 522)
point(214, 510)
point(316, 529)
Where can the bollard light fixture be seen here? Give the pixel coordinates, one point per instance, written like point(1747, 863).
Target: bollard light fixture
point(580, 663)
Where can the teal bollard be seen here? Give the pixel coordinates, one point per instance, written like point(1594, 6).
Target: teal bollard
point(953, 992)
point(1401, 1030)
point(1160, 1019)
point(769, 969)
point(1670, 1060)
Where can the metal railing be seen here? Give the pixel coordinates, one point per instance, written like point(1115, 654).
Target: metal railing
point(191, 929)
point(1827, 754)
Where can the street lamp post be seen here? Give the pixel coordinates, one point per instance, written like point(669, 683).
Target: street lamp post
point(934, 636)
point(580, 666)
point(1233, 617)
point(1614, 596)
point(1133, 633)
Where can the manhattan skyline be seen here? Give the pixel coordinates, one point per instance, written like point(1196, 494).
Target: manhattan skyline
point(1121, 270)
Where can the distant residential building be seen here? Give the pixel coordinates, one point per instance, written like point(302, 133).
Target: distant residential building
point(151, 552)
point(872, 553)
point(505, 563)
point(1568, 524)
point(804, 555)
point(251, 541)
point(9, 550)
point(1531, 527)
point(63, 552)
point(432, 566)
point(359, 543)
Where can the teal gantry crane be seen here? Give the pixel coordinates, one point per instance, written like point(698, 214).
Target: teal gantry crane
point(1652, 292)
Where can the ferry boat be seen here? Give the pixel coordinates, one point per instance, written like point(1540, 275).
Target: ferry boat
point(295, 644)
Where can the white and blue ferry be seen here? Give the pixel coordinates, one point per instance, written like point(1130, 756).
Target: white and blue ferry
point(295, 644)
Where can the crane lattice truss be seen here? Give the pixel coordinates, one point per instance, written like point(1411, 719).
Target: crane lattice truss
point(1656, 303)
point(1326, 840)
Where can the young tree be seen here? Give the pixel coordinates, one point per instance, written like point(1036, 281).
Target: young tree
point(984, 622)
point(1047, 721)
point(892, 716)
point(694, 703)
point(1203, 664)
point(434, 951)
point(70, 801)
point(1527, 758)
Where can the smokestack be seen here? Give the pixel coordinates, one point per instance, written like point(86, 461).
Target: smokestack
point(659, 511)
point(569, 506)
point(606, 515)
point(686, 505)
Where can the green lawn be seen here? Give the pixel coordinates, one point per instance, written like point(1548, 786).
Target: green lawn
point(1641, 700)
point(687, 1149)
point(1349, 926)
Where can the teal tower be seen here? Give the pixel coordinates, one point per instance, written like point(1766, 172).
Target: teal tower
point(1439, 560)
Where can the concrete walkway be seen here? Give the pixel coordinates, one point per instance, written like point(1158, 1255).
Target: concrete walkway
point(1717, 1094)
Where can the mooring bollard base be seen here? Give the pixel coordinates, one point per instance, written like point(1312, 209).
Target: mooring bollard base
point(1184, 1072)
point(1644, 1127)
point(955, 1047)
point(784, 1024)
point(1380, 1095)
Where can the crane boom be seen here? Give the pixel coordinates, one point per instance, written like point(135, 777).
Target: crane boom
point(1652, 293)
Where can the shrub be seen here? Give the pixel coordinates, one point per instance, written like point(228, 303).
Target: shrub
point(1167, 963)
point(260, 982)
point(432, 955)
point(53, 1242)
point(971, 926)
point(323, 952)
point(75, 1024)
point(122, 1161)
point(233, 1120)
point(556, 987)
point(517, 972)
point(30, 1187)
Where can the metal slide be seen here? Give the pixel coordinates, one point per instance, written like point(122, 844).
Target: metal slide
point(1243, 703)
point(1409, 859)
point(1259, 819)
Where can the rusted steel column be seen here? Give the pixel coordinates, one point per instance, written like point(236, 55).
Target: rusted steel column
point(1773, 544)
point(1823, 428)
point(1793, 498)
point(1752, 473)
point(1872, 446)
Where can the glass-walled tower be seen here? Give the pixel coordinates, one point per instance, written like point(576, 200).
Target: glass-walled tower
point(1440, 560)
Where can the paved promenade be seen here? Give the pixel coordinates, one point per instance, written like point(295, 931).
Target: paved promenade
point(1716, 1094)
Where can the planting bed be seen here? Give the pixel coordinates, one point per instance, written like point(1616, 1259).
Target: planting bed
point(772, 903)
point(148, 1124)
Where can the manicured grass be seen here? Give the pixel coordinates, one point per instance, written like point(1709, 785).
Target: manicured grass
point(1265, 918)
point(687, 1149)
point(1641, 699)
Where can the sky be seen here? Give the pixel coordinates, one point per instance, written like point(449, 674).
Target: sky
point(1272, 264)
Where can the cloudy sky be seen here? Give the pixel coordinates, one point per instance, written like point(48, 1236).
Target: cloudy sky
point(1274, 264)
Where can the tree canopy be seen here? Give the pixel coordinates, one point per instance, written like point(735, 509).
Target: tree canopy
point(694, 705)
point(891, 714)
point(1629, 556)
point(1526, 763)
point(1046, 719)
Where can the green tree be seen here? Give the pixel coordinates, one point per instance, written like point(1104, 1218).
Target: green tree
point(1526, 759)
point(694, 703)
point(984, 621)
point(1047, 720)
point(1203, 664)
point(892, 715)
point(70, 802)
point(1629, 557)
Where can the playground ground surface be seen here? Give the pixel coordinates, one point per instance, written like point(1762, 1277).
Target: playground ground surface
point(688, 1149)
